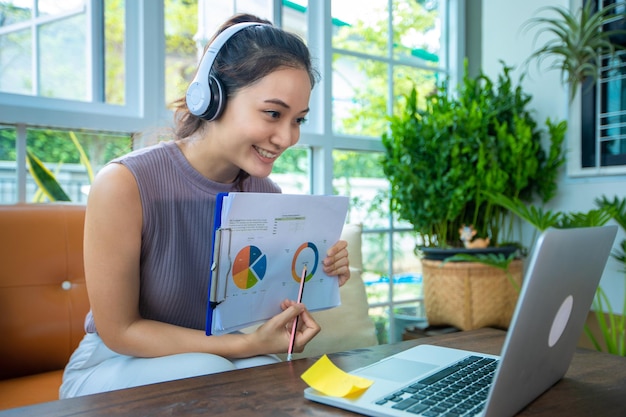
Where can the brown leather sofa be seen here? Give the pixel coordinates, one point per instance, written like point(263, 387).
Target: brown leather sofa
point(43, 300)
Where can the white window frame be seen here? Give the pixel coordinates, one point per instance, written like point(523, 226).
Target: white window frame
point(144, 83)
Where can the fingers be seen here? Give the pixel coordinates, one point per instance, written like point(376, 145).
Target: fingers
point(285, 304)
point(306, 330)
point(336, 262)
point(344, 276)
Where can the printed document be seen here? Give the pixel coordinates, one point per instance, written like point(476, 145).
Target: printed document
point(262, 243)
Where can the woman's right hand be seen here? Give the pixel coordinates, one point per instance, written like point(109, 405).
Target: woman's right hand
point(275, 334)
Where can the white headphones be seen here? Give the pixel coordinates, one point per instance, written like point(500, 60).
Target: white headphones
point(205, 95)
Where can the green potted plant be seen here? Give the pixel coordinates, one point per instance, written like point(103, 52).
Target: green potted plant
point(443, 160)
point(579, 40)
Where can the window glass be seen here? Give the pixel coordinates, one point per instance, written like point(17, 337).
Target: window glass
point(603, 107)
point(15, 48)
point(359, 176)
point(361, 26)
point(407, 268)
point(114, 49)
point(292, 171)
point(360, 85)
point(405, 316)
point(183, 46)
point(46, 49)
point(49, 50)
point(405, 78)
point(60, 152)
point(8, 176)
point(380, 316)
point(612, 124)
point(260, 8)
point(62, 58)
point(15, 11)
point(417, 31)
point(56, 7)
point(359, 96)
point(294, 18)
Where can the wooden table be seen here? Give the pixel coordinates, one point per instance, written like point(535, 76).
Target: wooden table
point(595, 385)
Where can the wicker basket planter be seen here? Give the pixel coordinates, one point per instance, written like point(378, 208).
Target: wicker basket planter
point(469, 295)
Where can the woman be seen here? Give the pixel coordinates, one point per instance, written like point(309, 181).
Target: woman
point(149, 221)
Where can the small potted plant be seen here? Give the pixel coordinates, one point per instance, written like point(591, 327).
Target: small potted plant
point(580, 39)
point(444, 159)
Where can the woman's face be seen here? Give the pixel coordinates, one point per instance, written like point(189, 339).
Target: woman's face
point(262, 120)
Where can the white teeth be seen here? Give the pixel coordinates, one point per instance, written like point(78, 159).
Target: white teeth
point(265, 153)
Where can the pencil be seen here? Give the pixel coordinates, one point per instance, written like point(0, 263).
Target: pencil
point(295, 322)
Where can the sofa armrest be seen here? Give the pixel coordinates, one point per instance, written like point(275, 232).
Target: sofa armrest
point(43, 298)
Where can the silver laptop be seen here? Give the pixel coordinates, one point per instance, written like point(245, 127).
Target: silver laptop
point(558, 289)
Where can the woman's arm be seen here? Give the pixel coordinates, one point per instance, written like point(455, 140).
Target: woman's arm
point(113, 226)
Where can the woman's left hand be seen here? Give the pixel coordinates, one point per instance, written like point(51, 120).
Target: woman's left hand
point(336, 262)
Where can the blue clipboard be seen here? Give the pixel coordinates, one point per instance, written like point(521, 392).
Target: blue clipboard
point(217, 224)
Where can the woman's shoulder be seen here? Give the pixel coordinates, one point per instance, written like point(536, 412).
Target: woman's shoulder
point(154, 149)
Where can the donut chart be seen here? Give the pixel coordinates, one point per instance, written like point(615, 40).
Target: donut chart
point(306, 254)
point(249, 267)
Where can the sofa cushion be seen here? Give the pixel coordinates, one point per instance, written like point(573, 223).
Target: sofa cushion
point(28, 390)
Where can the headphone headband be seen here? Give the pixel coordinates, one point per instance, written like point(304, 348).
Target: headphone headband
point(205, 96)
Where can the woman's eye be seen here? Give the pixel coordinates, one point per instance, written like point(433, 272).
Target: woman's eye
point(273, 114)
point(301, 120)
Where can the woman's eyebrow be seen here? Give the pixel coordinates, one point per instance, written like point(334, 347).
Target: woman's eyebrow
point(283, 104)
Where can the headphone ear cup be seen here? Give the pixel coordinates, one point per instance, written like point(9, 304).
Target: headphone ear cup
point(217, 102)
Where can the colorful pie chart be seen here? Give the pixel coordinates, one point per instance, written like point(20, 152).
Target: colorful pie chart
point(249, 267)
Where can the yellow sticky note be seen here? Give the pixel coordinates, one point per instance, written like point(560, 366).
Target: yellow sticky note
point(326, 378)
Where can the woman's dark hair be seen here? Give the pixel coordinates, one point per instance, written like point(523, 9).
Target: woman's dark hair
point(248, 56)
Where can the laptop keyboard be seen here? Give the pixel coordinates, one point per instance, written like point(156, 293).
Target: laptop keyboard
point(458, 390)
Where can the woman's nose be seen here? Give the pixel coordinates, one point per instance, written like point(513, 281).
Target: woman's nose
point(285, 136)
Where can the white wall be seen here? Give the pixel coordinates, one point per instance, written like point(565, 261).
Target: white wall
point(503, 38)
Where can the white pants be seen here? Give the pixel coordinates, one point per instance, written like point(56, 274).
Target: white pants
point(95, 368)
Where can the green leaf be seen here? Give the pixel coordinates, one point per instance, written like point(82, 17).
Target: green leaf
point(83, 157)
point(45, 179)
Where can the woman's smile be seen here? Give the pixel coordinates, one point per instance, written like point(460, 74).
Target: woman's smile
point(265, 153)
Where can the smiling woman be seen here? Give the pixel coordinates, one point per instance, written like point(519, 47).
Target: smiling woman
point(149, 223)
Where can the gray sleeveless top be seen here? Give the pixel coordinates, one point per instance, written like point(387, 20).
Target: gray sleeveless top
point(178, 206)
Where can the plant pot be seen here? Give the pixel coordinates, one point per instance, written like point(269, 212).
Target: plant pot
point(470, 295)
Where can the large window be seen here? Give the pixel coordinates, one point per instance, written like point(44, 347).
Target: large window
point(43, 49)
point(98, 72)
point(603, 110)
